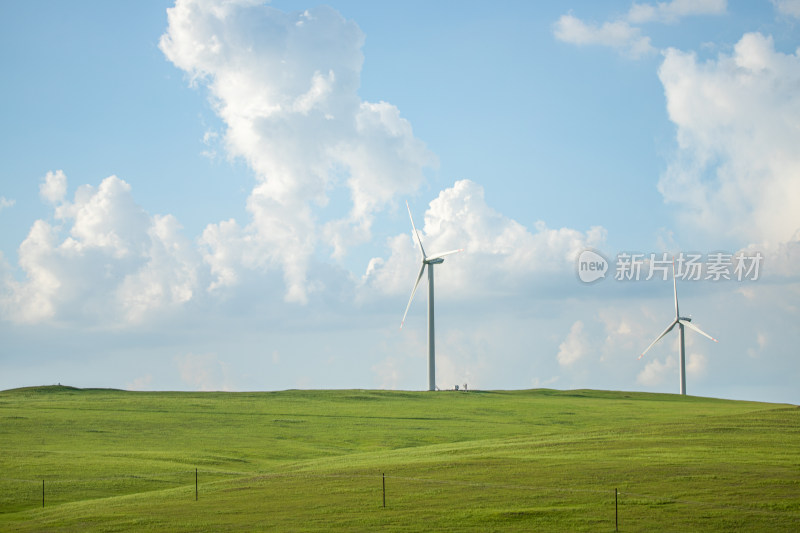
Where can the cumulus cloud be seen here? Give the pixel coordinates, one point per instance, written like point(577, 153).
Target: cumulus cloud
point(54, 187)
point(500, 254)
point(167, 277)
point(107, 259)
point(738, 127)
point(286, 87)
point(31, 301)
point(574, 347)
point(656, 372)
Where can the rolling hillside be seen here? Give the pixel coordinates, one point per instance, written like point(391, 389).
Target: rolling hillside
point(453, 461)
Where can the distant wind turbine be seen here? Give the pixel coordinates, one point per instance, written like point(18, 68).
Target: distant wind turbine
point(680, 321)
point(429, 261)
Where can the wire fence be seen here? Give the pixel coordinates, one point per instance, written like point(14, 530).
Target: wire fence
point(60, 489)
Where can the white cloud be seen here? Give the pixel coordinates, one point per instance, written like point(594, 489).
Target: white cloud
point(5, 202)
point(618, 34)
point(169, 276)
point(33, 301)
point(656, 372)
point(286, 87)
point(738, 119)
point(53, 187)
point(623, 34)
point(788, 7)
point(106, 218)
point(500, 254)
point(673, 11)
point(574, 347)
point(108, 262)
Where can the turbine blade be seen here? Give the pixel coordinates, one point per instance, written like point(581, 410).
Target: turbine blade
point(437, 256)
point(416, 234)
point(413, 292)
point(675, 289)
point(698, 330)
point(669, 328)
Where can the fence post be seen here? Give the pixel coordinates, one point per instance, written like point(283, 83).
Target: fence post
point(616, 510)
point(42, 493)
point(383, 480)
point(195, 484)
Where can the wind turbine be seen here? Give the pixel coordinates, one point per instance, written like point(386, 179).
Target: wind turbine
point(680, 321)
point(429, 261)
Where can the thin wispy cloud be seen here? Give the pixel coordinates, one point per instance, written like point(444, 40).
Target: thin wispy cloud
point(790, 8)
point(618, 34)
point(6, 203)
point(625, 34)
point(673, 11)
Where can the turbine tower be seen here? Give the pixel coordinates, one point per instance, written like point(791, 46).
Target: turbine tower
point(680, 321)
point(429, 261)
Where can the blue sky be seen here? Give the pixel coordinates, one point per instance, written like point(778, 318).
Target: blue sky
point(210, 196)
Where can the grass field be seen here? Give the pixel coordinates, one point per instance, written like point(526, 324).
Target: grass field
point(537, 460)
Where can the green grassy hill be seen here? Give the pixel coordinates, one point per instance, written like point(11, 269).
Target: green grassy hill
point(538, 460)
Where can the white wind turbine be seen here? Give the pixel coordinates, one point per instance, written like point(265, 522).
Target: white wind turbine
point(429, 261)
point(680, 321)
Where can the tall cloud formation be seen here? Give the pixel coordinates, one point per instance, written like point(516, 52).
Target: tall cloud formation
point(738, 126)
point(285, 85)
